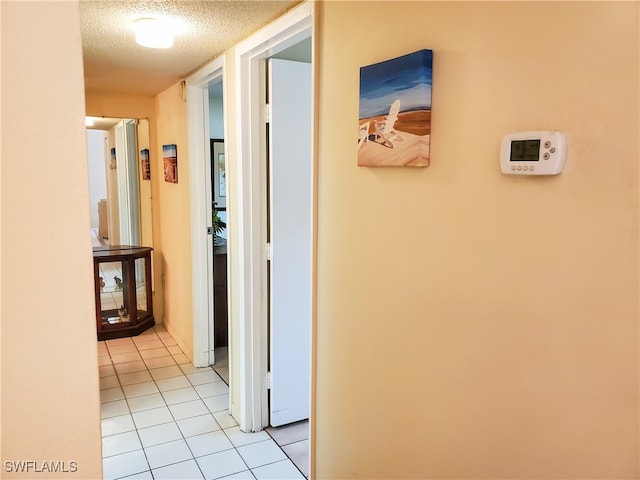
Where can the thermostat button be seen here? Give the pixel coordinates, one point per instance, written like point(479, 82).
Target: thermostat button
point(552, 149)
point(546, 156)
point(525, 168)
point(547, 144)
point(513, 167)
point(519, 168)
point(532, 168)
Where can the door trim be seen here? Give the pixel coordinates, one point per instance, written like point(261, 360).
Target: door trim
point(251, 320)
point(201, 195)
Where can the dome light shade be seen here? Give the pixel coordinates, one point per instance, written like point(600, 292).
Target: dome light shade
point(154, 33)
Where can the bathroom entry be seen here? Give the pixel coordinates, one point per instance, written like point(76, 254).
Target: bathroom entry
point(290, 239)
point(219, 220)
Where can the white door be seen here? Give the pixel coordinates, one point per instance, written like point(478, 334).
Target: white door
point(128, 190)
point(291, 240)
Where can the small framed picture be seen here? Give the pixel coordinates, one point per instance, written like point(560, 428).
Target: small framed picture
point(219, 173)
point(145, 164)
point(170, 161)
point(113, 164)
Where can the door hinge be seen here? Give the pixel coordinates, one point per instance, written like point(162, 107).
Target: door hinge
point(266, 113)
point(209, 230)
point(269, 251)
point(267, 380)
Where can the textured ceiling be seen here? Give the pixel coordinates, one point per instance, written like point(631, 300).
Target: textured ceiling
point(114, 63)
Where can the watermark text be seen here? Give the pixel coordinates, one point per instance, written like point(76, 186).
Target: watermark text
point(35, 466)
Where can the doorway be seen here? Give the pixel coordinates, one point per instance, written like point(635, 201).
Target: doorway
point(289, 213)
point(254, 328)
point(219, 224)
point(247, 226)
point(205, 111)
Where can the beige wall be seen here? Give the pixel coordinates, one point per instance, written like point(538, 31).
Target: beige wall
point(472, 324)
point(175, 218)
point(50, 403)
point(119, 105)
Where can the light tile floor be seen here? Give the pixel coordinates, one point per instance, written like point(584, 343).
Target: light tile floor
point(294, 441)
point(162, 418)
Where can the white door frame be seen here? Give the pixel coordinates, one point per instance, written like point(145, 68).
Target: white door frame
point(251, 321)
point(201, 195)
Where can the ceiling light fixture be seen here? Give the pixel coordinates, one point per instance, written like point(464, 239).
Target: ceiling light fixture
point(154, 32)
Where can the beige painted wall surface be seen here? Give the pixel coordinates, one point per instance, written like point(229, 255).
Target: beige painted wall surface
point(119, 105)
point(472, 324)
point(174, 218)
point(50, 402)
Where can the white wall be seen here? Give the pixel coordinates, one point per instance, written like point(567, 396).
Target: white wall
point(97, 176)
point(216, 112)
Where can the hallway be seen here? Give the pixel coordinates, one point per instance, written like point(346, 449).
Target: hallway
point(162, 418)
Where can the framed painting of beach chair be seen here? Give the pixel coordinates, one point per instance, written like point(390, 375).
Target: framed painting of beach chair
point(394, 127)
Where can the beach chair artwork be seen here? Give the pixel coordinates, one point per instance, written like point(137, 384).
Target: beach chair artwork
point(394, 128)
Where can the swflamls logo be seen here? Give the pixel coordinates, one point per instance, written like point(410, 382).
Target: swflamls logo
point(46, 466)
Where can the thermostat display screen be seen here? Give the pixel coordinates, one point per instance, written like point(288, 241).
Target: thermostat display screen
point(535, 152)
point(525, 151)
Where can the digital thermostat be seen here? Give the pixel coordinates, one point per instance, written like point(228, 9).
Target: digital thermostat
point(533, 153)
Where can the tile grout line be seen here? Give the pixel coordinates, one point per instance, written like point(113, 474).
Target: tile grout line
point(170, 413)
point(130, 413)
point(137, 429)
point(194, 458)
point(286, 454)
point(175, 420)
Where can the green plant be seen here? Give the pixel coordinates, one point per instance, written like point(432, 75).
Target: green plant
point(218, 224)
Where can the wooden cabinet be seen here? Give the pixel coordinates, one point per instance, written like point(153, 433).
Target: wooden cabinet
point(123, 295)
point(221, 332)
